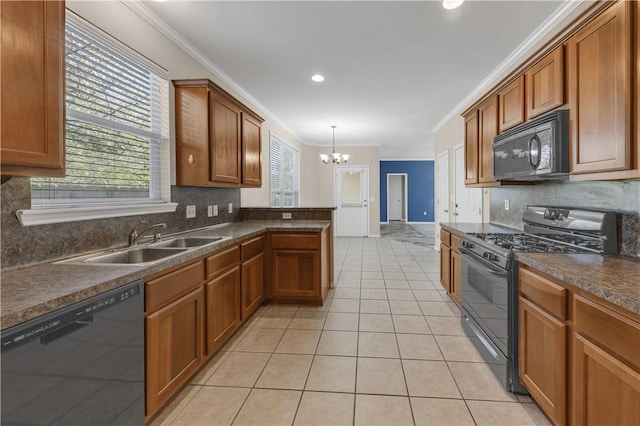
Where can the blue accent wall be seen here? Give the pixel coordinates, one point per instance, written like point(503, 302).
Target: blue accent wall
point(420, 181)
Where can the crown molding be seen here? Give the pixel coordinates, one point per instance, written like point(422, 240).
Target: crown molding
point(522, 52)
point(165, 29)
point(406, 159)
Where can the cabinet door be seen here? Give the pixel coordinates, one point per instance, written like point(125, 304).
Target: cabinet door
point(488, 113)
point(445, 267)
point(599, 57)
point(606, 391)
point(542, 359)
point(545, 84)
point(32, 86)
point(173, 347)
point(455, 277)
point(511, 104)
point(295, 273)
point(471, 146)
point(252, 285)
point(225, 152)
point(223, 308)
point(251, 151)
point(192, 135)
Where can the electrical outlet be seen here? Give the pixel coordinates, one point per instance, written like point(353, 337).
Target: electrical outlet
point(209, 211)
point(191, 212)
point(506, 204)
point(215, 210)
point(286, 215)
point(230, 208)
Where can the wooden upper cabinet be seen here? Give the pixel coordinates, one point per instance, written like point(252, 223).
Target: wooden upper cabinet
point(488, 119)
point(471, 146)
point(32, 85)
point(218, 140)
point(545, 84)
point(511, 105)
point(600, 93)
point(251, 151)
point(225, 152)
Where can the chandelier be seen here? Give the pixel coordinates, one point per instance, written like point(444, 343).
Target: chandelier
point(335, 157)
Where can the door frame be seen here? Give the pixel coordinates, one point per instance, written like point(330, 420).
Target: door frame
point(405, 195)
point(336, 190)
point(438, 195)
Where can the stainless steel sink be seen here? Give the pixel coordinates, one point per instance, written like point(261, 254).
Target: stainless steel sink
point(189, 242)
point(134, 256)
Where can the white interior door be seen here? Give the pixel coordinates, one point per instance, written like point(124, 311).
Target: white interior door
point(468, 201)
point(352, 196)
point(442, 194)
point(396, 197)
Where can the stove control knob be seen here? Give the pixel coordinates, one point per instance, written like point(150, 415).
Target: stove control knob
point(490, 256)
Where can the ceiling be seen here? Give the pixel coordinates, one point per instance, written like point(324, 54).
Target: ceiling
point(393, 69)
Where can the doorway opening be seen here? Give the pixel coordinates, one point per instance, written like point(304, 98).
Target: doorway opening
point(397, 197)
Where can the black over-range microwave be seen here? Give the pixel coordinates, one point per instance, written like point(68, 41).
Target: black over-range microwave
point(535, 150)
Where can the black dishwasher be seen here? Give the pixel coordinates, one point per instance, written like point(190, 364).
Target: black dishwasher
point(79, 365)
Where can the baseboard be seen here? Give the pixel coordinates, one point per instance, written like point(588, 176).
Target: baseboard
point(384, 223)
point(374, 236)
point(421, 223)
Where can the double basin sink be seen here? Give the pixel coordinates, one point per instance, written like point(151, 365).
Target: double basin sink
point(149, 253)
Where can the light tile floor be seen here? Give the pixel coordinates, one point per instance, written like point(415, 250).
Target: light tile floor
point(386, 348)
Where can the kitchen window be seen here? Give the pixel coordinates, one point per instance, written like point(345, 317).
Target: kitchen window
point(117, 127)
point(284, 173)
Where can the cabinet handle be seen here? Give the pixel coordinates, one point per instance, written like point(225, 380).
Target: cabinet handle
point(446, 211)
point(455, 214)
point(190, 159)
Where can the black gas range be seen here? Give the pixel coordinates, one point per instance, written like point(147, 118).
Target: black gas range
point(489, 275)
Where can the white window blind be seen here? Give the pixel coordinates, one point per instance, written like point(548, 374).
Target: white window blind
point(284, 174)
point(117, 124)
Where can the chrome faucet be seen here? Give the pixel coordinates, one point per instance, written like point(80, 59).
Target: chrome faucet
point(134, 234)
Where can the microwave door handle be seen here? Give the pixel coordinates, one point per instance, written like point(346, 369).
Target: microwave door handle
point(535, 139)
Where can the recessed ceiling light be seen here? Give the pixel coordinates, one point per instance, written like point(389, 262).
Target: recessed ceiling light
point(451, 4)
point(317, 78)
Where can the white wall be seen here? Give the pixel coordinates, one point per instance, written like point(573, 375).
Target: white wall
point(316, 178)
point(116, 19)
point(450, 135)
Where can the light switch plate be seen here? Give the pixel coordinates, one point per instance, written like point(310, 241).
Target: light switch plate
point(506, 204)
point(191, 212)
point(209, 211)
point(215, 210)
point(286, 215)
point(230, 208)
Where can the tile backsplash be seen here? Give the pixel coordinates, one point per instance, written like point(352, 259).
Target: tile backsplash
point(623, 197)
point(33, 244)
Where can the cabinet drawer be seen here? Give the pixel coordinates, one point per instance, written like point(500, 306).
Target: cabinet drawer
point(445, 237)
point(296, 241)
point(544, 293)
point(222, 261)
point(252, 248)
point(455, 242)
point(618, 334)
point(163, 290)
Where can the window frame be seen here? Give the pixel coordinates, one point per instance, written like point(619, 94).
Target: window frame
point(273, 138)
point(159, 174)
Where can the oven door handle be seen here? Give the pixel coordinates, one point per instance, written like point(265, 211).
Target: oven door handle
point(471, 258)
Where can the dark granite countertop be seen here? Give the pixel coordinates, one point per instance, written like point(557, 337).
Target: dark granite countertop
point(467, 228)
point(615, 279)
point(31, 291)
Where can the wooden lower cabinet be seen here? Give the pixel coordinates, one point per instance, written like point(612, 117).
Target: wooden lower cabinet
point(543, 359)
point(173, 348)
point(578, 355)
point(223, 308)
point(252, 285)
point(299, 270)
point(450, 265)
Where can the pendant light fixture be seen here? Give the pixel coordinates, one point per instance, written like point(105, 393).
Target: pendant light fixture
point(335, 157)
